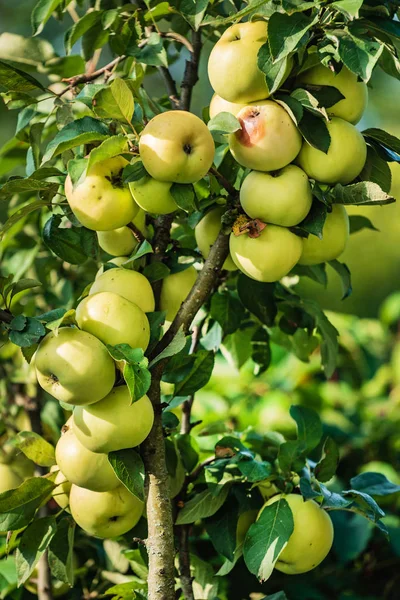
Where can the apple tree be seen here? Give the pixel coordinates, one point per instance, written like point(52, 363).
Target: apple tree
point(139, 243)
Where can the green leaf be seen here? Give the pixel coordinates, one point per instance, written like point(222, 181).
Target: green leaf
point(201, 506)
point(358, 54)
point(258, 298)
point(193, 11)
point(19, 286)
point(25, 331)
point(275, 71)
point(183, 194)
point(362, 193)
point(156, 271)
point(286, 32)
point(153, 53)
point(374, 484)
point(60, 552)
point(224, 122)
point(377, 170)
point(315, 272)
point(226, 309)
point(315, 220)
point(35, 448)
point(199, 375)
point(176, 345)
point(329, 346)
point(77, 169)
point(221, 528)
point(315, 131)
point(385, 139)
point(136, 374)
point(359, 222)
point(345, 277)
point(79, 28)
point(15, 80)
point(81, 131)
point(293, 107)
point(34, 541)
point(128, 467)
point(17, 507)
point(326, 467)
point(134, 172)
point(42, 13)
point(115, 101)
point(267, 537)
point(74, 244)
point(21, 186)
point(309, 426)
point(142, 250)
point(125, 591)
point(349, 8)
point(113, 146)
point(254, 470)
point(291, 456)
point(261, 350)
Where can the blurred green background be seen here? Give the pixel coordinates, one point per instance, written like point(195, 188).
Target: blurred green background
point(373, 257)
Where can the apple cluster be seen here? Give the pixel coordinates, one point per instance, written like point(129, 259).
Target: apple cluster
point(276, 193)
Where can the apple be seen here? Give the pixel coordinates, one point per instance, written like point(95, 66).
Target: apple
point(153, 196)
point(267, 489)
point(121, 241)
point(61, 493)
point(335, 235)
point(268, 257)
point(82, 467)
point(9, 480)
point(353, 105)
point(114, 320)
point(232, 67)
point(176, 146)
point(114, 423)
point(206, 232)
point(101, 201)
point(219, 105)
point(174, 290)
point(281, 197)
point(345, 158)
point(245, 519)
point(119, 261)
point(268, 139)
point(74, 366)
point(105, 514)
point(131, 285)
point(312, 536)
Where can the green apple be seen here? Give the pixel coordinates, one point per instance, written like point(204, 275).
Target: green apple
point(74, 366)
point(105, 514)
point(232, 67)
point(246, 519)
point(114, 423)
point(176, 146)
point(101, 201)
point(175, 288)
point(119, 261)
point(353, 105)
point(131, 285)
point(82, 467)
point(312, 536)
point(206, 232)
point(267, 489)
point(121, 241)
point(268, 139)
point(396, 364)
point(153, 196)
point(9, 480)
point(114, 320)
point(61, 492)
point(117, 242)
point(345, 158)
point(335, 234)
point(282, 197)
point(268, 257)
point(219, 105)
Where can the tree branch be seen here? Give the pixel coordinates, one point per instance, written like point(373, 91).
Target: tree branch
point(137, 234)
point(5, 316)
point(170, 85)
point(200, 292)
point(184, 563)
point(191, 76)
point(224, 182)
point(160, 540)
point(87, 77)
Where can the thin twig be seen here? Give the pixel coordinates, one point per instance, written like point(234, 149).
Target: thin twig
point(137, 234)
point(185, 576)
point(224, 181)
point(178, 38)
point(170, 85)
point(5, 316)
point(87, 77)
point(191, 74)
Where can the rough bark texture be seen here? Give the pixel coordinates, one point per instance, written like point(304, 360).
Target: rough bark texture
point(191, 76)
point(160, 541)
